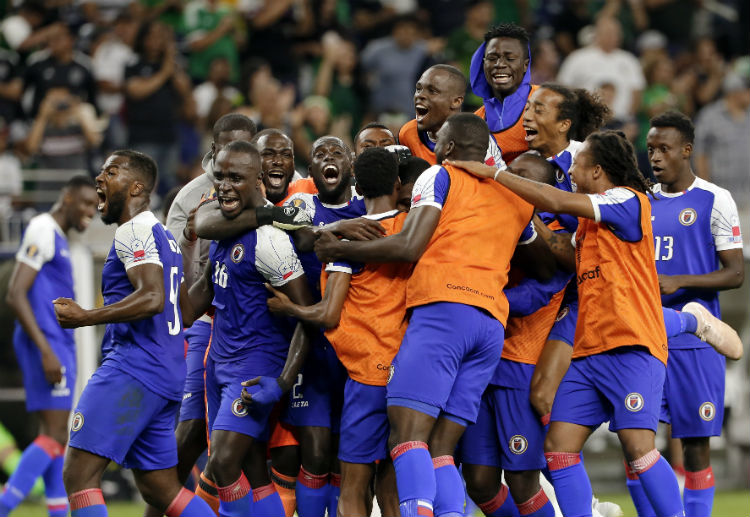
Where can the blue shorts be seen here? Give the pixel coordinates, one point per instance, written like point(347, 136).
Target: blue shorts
point(226, 412)
point(40, 394)
point(622, 386)
point(446, 359)
point(364, 424)
point(564, 328)
point(317, 397)
point(694, 392)
point(119, 418)
point(508, 433)
point(193, 397)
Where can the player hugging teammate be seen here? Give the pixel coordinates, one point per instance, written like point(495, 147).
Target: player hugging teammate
point(340, 349)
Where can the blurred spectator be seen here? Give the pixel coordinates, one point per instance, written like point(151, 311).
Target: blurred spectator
point(446, 16)
point(630, 13)
point(112, 51)
point(463, 41)
point(59, 66)
point(371, 19)
point(211, 32)
point(722, 153)
point(157, 92)
point(393, 64)
point(11, 181)
point(169, 12)
point(316, 121)
point(103, 12)
point(709, 68)
point(63, 131)
point(663, 93)
point(338, 79)
point(545, 62)
point(217, 87)
point(11, 87)
point(566, 24)
point(604, 62)
point(22, 31)
point(273, 28)
point(673, 18)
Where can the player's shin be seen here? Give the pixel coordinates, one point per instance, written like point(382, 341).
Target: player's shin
point(207, 491)
point(54, 488)
point(699, 492)
point(449, 493)
point(659, 483)
point(235, 499)
point(637, 494)
point(87, 503)
point(538, 506)
point(502, 505)
point(312, 494)
point(415, 478)
point(187, 504)
point(35, 460)
point(266, 501)
point(571, 482)
point(334, 492)
point(285, 486)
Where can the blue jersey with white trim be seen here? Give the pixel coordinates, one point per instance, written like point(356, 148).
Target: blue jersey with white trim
point(690, 228)
point(562, 162)
point(243, 325)
point(150, 349)
point(44, 248)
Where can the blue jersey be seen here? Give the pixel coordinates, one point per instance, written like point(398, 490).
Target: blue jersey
point(44, 248)
point(322, 214)
point(690, 228)
point(561, 163)
point(243, 325)
point(150, 349)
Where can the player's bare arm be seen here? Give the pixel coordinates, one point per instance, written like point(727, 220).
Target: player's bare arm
point(326, 313)
point(560, 244)
point(544, 197)
point(210, 223)
point(405, 246)
point(17, 298)
point(201, 293)
point(730, 276)
point(186, 308)
point(358, 229)
point(146, 301)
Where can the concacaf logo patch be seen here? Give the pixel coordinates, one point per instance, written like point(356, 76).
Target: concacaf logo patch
point(518, 444)
point(239, 408)
point(688, 217)
point(707, 411)
point(634, 402)
point(77, 421)
point(238, 253)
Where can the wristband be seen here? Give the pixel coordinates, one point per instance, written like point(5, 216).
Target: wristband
point(496, 173)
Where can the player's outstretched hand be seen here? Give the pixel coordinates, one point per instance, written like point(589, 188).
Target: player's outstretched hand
point(359, 229)
point(269, 392)
point(52, 367)
point(69, 314)
point(326, 244)
point(279, 302)
point(476, 168)
point(668, 284)
point(285, 217)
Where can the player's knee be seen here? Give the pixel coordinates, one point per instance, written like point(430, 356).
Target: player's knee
point(316, 460)
point(225, 466)
point(523, 485)
point(697, 453)
point(479, 485)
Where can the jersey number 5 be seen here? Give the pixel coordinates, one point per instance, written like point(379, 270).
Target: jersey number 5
point(663, 245)
point(174, 296)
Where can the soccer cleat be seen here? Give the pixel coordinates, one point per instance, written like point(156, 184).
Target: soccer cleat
point(715, 332)
point(605, 508)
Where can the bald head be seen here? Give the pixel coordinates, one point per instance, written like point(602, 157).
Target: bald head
point(464, 136)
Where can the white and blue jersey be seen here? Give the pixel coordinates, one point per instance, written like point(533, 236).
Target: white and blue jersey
point(690, 229)
point(244, 328)
point(562, 162)
point(150, 350)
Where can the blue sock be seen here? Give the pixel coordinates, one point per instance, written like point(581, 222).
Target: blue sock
point(678, 322)
point(572, 485)
point(54, 489)
point(660, 484)
point(334, 491)
point(267, 502)
point(34, 461)
point(640, 499)
point(502, 505)
point(415, 478)
point(187, 504)
point(88, 503)
point(699, 493)
point(235, 499)
point(312, 494)
point(538, 506)
point(449, 488)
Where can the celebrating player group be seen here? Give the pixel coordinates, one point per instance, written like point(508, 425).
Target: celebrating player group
point(420, 323)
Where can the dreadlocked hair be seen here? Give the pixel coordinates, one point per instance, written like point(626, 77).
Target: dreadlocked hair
point(614, 152)
point(585, 110)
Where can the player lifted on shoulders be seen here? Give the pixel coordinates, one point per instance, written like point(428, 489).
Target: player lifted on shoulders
point(141, 377)
point(45, 352)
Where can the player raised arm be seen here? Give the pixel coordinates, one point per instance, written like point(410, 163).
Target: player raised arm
point(326, 313)
point(211, 224)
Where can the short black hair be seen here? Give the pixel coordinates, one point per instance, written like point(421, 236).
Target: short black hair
point(508, 30)
point(78, 181)
point(544, 171)
point(142, 164)
point(457, 76)
point(469, 131)
point(410, 168)
point(585, 110)
point(241, 146)
point(374, 125)
point(234, 122)
point(317, 143)
point(677, 120)
point(376, 172)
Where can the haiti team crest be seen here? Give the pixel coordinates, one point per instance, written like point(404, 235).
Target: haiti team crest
point(518, 444)
point(707, 411)
point(634, 402)
point(238, 253)
point(77, 421)
point(688, 216)
point(238, 408)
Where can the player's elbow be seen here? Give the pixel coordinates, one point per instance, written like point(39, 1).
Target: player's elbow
point(152, 303)
point(329, 320)
point(737, 278)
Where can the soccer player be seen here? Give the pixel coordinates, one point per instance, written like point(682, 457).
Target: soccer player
point(373, 134)
point(500, 74)
point(620, 353)
point(698, 251)
point(246, 339)
point(364, 310)
point(45, 351)
point(438, 94)
point(455, 333)
point(409, 171)
point(141, 377)
point(191, 429)
point(277, 161)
